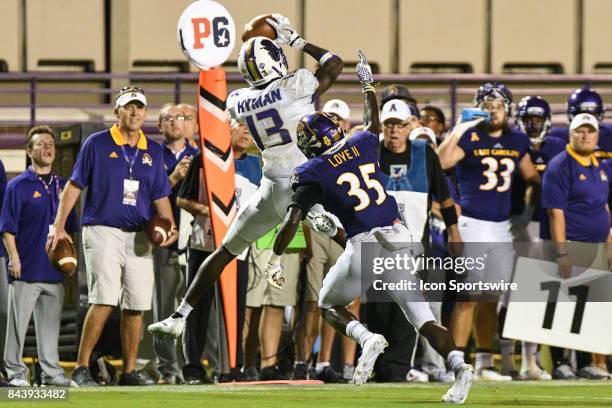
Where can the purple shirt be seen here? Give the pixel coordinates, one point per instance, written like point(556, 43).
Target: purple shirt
point(103, 165)
point(486, 172)
point(581, 190)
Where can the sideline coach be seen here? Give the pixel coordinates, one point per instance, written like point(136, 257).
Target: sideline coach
point(124, 171)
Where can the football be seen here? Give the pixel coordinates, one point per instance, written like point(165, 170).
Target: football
point(259, 27)
point(158, 229)
point(64, 257)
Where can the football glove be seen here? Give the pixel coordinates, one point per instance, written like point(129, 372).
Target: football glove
point(364, 72)
point(274, 272)
point(321, 223)
point(285, 32)
point(461, 127)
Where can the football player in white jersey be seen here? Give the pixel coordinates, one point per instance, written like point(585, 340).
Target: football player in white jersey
point(271, 108)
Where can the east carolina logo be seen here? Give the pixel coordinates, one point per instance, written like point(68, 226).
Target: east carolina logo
point(474, 137)
point(603, 175)
point(146, 159)
point(294, 178)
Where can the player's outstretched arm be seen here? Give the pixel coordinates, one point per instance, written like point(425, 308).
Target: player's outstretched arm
point(449, 152)
point(330, 65)
point(370, 111)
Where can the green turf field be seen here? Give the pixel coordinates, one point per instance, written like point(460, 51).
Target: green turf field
point(553, 394)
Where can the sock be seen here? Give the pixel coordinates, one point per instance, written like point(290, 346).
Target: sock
point(321, 366)
point(507, 352)
point(297, 362)
point(528, 355)
point(484, 359)
point(455, 360)
point(183, 310)
point(347, 371)
point(358, 332)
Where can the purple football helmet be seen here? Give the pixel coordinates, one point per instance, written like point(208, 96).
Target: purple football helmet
point(491, 91)
point(585, 100)
point(533, 107)
point(317, 133)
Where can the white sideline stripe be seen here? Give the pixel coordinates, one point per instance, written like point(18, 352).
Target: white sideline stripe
point(66, 260)
point(162, 232)
point(217, 161)
point(213, 110)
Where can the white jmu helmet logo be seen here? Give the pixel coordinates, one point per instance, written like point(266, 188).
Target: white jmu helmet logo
point(260, 61)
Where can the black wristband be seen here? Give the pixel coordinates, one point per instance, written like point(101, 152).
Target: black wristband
point(449, 215)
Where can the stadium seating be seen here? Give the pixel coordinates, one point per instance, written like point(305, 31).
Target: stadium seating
point(428, 35)
point(541, 33)
point(65, 35)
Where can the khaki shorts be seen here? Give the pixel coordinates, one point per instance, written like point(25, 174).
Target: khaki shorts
point(119, 267)
point(325, 253)
point(259, 293)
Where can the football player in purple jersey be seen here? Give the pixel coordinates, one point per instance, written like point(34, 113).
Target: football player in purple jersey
point(486, 157)
point(343, 175)
point(587, 100)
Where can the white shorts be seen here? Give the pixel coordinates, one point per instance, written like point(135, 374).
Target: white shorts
point(490, 239)
point(119, 267)
point(260, 214)
point(344, 283)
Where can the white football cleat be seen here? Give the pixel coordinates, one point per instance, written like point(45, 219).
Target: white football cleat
point(415, 375)
point(170, 327)
point(536, 374)
point(491, 374)
point(370, 351)
point(458, 393)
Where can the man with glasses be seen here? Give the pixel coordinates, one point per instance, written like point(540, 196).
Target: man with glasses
point(127, 182)
point(177, 127)
point(413, 175)
point(433, 118)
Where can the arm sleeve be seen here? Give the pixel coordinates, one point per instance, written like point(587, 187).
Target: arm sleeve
point(305, 196)
point(555, 186)
point(190, 186)
point(305, 83)
point(11, 210)
point(437, 181)
point(83, 165)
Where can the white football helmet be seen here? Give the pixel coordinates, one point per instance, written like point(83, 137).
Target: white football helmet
point(260, 61)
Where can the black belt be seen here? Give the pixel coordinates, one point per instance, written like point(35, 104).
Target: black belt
point(137, 228)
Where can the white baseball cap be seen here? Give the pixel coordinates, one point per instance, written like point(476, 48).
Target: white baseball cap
point(395, 109)
point(339, 107)
point(423, 131)
point(129, 94)
point(584, 119)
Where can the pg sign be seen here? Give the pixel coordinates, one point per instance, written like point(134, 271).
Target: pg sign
point(206, 33)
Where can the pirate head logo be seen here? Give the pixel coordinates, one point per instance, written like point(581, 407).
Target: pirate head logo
point(146, 159)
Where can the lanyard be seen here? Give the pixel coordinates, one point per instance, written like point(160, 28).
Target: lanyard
point(129, 161)
point(58, 190)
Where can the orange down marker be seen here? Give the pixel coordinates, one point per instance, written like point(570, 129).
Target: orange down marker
point(218, 164)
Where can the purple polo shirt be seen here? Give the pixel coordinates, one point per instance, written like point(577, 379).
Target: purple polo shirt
point(27, 212)
point(580, 188)
point(103, 165)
